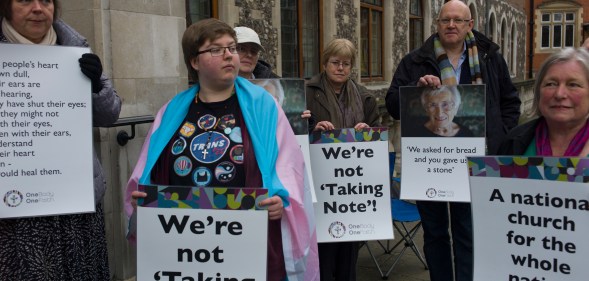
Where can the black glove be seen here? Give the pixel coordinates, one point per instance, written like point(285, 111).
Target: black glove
point(92, 67)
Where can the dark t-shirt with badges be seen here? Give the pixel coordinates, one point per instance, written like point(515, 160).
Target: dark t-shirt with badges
point(208, 148)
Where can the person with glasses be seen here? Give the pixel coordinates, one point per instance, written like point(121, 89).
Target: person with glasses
point(441, 106)
point(249, 48)
point(336, 101)
point(457, 54)
point(252, 67)
point(195, 137)
point(64, 247)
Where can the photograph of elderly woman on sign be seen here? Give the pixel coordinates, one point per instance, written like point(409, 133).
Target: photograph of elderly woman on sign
point(290, 95)
point(447, 111)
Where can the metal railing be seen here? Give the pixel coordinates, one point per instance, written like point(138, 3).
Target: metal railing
point(122, 136)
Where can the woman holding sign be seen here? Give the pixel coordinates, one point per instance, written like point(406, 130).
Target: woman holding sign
point(336, 102)
point(194, 133)
point(67, 247)
point(561, 100)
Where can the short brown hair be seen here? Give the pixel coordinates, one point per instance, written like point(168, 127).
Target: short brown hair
point(339, 48)
point(196, 35)
point(6, 9)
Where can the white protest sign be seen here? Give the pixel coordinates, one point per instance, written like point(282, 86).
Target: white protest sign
point(192, 233)
point(530, 218)
point(435, 168)
point(45, 132)
point(352, 185)
point(439, 128)
point(303, 141)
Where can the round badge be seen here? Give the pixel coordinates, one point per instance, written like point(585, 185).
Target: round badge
point(202, 176)
point(209, 147)
point(227, 122)
point(182, 166)
point(236, 154)
point(207, 121)
point(225, 171)
point(178, 146)
point(227, 131)
point(187, 129)
point(235, 135)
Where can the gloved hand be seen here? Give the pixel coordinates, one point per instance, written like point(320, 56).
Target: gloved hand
point(92, 67)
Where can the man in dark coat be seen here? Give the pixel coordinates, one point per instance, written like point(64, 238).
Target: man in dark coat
point(422, 67)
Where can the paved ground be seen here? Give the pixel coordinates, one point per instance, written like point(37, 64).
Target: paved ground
point(409, 268)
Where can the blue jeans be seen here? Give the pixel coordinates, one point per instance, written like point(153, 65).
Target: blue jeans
point(438, 247)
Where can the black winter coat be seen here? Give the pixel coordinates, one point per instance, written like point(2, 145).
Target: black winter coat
point(263, 70)
point(503, 103)
point(517, 140)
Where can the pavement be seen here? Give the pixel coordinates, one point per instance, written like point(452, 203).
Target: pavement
point(409, 267)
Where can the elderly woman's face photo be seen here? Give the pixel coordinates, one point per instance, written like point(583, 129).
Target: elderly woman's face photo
point(440, 110)
point(564, 94)
point(338, 69)
point(32, 19)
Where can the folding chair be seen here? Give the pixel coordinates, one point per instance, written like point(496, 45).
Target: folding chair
point(402, 212)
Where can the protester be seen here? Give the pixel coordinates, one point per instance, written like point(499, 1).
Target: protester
point(561, 102)
point(66, 247)
point(440, 105)
point(457, 54)
point(336, 101)
point(229, 107)
point(249, 48)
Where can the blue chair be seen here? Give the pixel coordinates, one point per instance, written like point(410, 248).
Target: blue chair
point(402, 212)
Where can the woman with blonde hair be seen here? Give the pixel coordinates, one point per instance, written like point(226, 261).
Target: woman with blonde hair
point(336, 101)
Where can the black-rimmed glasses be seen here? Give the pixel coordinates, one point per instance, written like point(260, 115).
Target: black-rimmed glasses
point(456, 21)
point(219, 51)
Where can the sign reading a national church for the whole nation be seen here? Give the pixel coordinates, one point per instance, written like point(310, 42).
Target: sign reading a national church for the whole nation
point(530, 218)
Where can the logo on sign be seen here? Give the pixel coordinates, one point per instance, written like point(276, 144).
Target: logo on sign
point(337, 229)
point(13, 198)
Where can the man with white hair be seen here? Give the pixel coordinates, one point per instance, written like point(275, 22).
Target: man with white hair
point(456, 54)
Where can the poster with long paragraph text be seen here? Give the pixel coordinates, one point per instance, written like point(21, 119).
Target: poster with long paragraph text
point(530, 218)
point(201, 233)
point(45, 132)
point(352, 184)
point(439, 128)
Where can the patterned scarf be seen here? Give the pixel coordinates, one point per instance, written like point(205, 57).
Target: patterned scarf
point(575, 146)
point(446, 69)
point(350, 107)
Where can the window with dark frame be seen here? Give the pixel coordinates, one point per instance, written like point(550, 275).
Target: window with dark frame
point(371, 39)
point(200, 9)
point(557, 30)
point(300, 38)
point(415, 24)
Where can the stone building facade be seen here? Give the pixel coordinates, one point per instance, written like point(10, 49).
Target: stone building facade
point(139, 43)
